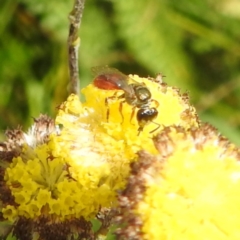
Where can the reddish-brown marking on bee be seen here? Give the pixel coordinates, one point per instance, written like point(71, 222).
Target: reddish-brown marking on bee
point(109, 78)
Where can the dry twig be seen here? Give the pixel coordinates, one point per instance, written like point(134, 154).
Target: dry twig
point(75, 17)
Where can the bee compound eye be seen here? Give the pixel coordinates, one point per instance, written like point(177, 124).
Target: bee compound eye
point(143, 94)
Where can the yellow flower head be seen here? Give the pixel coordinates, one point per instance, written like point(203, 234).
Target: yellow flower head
point(98, 151)
point(74, 171)
point(188, 191)
point(118, 118)
point(38, 192)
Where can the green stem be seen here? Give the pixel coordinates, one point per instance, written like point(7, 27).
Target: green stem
point(75, 17)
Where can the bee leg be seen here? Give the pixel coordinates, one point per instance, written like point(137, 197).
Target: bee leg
point(156, 103)
point(107, 100)
point(132, 114)
point(155, 129)
point(120, 110)
point(140, 129)
point(121, 106)
point(108, 110)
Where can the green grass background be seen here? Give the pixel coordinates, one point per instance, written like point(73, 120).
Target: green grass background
point(196, 44)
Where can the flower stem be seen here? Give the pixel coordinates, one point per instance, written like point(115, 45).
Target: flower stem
point(75, 17)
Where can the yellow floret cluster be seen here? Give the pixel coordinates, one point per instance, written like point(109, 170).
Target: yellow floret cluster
point(195, 195)
point(96, 160)
point(80, 169)
point(172, 109)
point(41, 185)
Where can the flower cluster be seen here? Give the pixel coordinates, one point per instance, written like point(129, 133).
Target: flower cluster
point(173, 175)
point(188, 191)
point(37, 190)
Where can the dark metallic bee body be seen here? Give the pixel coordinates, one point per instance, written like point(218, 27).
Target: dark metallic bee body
point(135, 94)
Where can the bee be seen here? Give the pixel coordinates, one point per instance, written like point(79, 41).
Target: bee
point(135, 94)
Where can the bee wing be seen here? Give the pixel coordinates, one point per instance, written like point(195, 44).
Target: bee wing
point(133, 81)
point(97, 70)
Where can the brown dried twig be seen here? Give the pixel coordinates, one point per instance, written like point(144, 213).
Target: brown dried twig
point(75, 17)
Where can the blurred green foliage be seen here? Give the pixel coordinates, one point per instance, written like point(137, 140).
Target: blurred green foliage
point(196, 44)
